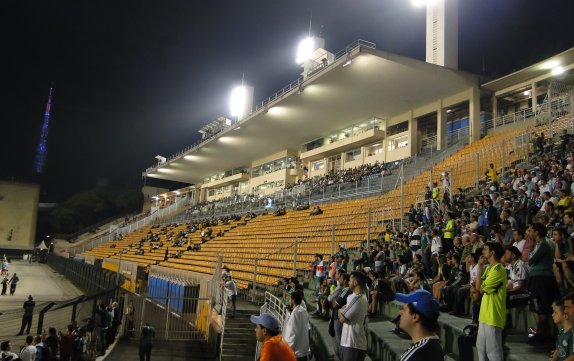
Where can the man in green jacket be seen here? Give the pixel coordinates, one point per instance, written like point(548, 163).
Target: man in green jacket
point(491, 282)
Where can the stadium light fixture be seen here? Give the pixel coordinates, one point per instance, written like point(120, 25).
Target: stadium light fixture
point(304, 50)
point(237, 101)
point(557, 70)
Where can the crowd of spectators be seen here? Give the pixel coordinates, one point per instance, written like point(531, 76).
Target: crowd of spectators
point(341, 176)
point(511, 245)
point(298, 190)
point(77, 342)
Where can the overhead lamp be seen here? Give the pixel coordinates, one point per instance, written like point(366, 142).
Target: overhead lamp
point(304, 50)
point(557, 70)
point(526, 93)
point(237, 101)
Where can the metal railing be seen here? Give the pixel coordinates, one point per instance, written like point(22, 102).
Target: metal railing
point(547, 110)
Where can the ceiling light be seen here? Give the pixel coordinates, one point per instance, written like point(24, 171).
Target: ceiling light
point(557, 70)
point(526, 93)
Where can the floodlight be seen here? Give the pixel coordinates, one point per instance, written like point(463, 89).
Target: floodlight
point(557, 70)
point(304, 50)
point(237, 101)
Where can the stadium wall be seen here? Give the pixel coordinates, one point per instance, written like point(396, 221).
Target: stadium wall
point(18, 215)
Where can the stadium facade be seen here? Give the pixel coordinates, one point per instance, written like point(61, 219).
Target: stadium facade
point(359, 106)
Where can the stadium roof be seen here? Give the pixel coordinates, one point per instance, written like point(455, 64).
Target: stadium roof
point(535, 72)
point(376, 84)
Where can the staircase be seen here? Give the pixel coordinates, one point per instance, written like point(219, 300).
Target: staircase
point(239, 338)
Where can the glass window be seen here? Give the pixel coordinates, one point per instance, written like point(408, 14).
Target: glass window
point(279, 164)
point(374, 149)
point(398, 128)
point(399, 142)
point(403, 141)
point(352, 155)
point(318, 165)
point(291, 162)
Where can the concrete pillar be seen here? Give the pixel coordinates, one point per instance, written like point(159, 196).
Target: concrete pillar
point(440, 127)
point(494, 107)
point(474, 113)
point(533, 94)
point(413, 135)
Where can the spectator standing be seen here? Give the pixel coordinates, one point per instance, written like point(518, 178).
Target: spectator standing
point(419, 318)
point(13, 283)
point(354, 319)
point(231, 289)
point(5, 281)
point(296, 332)
point(42, 352)
point(319, 273)
point(146, 342)
point(268, 331)
point(338, 299)
point(542, 285)
point(448, 232)
point(492, 317)
point(28, 314)
point(67, 342)
point(51, 343)
point(28, 353)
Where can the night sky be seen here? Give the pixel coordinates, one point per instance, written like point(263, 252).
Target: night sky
point(133, 79)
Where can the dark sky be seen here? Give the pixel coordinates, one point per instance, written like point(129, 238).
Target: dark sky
point(136, 78)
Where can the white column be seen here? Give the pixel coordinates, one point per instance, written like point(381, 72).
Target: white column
point(474, 114)
point(440, 127)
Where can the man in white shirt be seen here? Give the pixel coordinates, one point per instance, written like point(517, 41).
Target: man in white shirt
point(354, 318)
point(319, 273)
point(519, 240)
point(28, 353)
point(231, 289)
point(296, 332)
point(6, 353)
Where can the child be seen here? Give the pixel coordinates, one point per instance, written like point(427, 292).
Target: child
point(564, 340)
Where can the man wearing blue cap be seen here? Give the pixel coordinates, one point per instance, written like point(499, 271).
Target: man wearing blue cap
point(268, 331)
point(419, 318)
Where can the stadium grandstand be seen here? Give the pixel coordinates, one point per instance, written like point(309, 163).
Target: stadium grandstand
point(370, 161)
point(256, 183)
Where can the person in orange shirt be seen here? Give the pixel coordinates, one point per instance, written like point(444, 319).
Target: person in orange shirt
point(268, 331)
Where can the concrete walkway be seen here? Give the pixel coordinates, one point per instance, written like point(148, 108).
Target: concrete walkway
point(40, 281)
